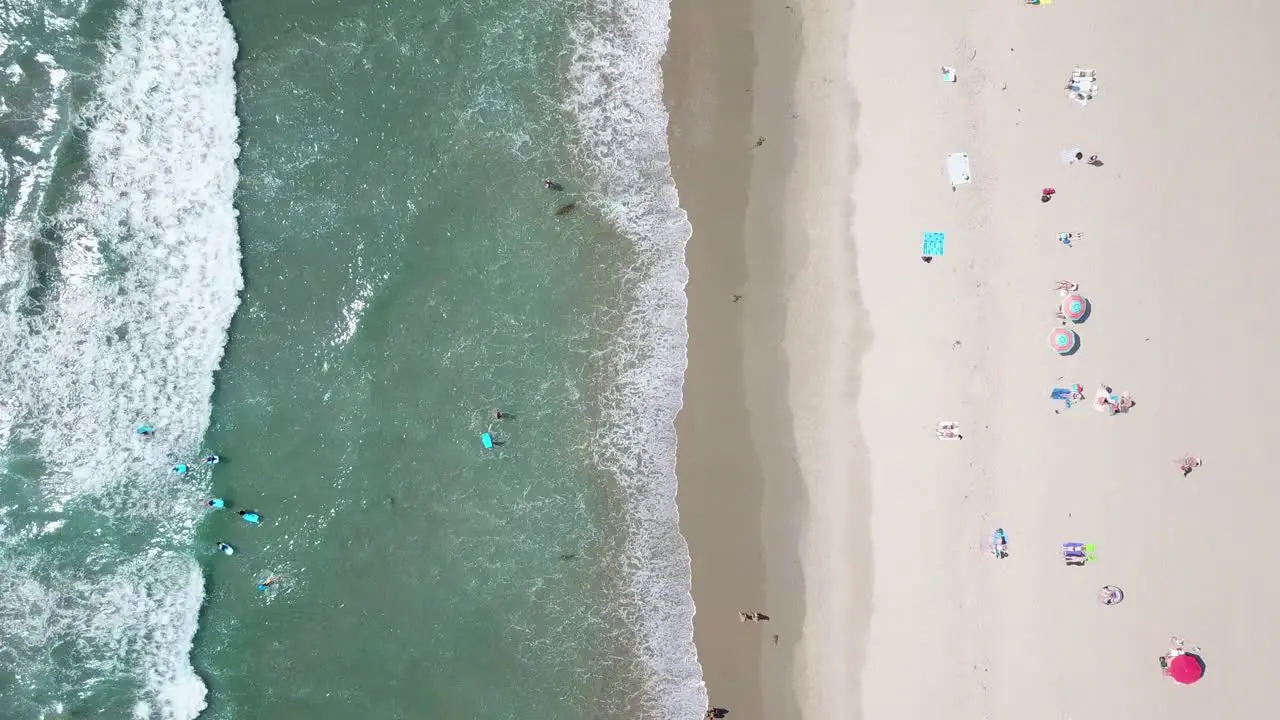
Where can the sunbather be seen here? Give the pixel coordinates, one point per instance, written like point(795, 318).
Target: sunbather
point(1187, 464)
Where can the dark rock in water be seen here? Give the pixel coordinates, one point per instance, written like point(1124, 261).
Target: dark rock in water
point(566, 208)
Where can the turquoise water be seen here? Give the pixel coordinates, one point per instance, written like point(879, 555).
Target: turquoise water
point(403, 274)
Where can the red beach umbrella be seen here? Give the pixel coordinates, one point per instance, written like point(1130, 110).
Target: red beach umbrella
point(1186, 668)
point(1063, 340)
point(1075, 307)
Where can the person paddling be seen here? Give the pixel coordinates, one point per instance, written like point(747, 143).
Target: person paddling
point(250, 517)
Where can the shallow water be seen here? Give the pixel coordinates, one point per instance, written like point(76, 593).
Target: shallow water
point(404, 274)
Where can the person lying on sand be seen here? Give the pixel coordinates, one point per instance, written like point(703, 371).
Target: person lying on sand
point(949, 431)
point(1188, 463)
point(1066, 286)
point(751, 616)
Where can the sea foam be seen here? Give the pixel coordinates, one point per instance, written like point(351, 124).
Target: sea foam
point(622, 126)
point(116, 311)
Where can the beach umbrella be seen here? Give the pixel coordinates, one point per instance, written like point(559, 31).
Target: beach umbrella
point(1186, 668)
point(1075, 307)
point(1063, 340)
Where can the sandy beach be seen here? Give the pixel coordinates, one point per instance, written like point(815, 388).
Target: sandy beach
point(813, 487)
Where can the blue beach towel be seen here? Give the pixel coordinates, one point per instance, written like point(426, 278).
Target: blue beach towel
point(935, 244)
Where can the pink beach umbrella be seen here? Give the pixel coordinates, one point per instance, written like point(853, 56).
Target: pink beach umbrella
point(1063, 340)
point(1075, 307)
point(1186, 668)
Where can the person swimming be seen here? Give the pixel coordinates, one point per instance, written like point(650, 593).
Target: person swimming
point(215, 503)
point(145, 430)
point(211, 459)
point(266, 584)
point(181, 468)
point(251, 517)
point(226, 549)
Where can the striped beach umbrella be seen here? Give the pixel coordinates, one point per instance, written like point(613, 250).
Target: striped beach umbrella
point(1063, 340)
point(1075, 307)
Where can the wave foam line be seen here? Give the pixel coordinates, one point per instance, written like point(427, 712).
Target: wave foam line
point(622, 122)
point(127, 323)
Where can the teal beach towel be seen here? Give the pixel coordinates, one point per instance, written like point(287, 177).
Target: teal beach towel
point(935, 244)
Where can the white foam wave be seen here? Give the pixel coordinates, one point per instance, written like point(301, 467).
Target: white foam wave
point(124, 323)
point(142, 607)
point(618, 111)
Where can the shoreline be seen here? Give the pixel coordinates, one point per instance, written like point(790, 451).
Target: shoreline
point(732, 82)
point(706, 86)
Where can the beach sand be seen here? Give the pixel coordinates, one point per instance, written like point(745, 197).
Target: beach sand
point(807, 439)
point(730, 165)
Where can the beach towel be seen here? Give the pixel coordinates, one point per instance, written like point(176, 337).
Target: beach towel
point(1083, 85)
point(934, 245)
point(958, 168)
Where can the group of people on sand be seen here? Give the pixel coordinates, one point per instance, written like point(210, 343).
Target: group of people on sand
point(251, 517)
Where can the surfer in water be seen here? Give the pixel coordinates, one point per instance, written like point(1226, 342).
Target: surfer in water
point(181, 468)
point(250, 517)
point(215, 503)
point(211, 459)
point(550, 184)
point(145, 430)
point(226, 549)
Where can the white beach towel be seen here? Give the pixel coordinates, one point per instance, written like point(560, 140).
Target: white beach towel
point(958, 169)
point(1083, 85)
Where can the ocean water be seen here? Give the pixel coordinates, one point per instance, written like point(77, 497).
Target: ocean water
point(311, 236)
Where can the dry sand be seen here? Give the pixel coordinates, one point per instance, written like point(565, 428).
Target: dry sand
point(899, 610)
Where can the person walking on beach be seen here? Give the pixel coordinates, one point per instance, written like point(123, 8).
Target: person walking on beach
point(1094, 161)
point(1046, 194)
